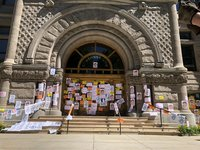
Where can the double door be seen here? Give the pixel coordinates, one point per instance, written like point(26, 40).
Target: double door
point(94, 94)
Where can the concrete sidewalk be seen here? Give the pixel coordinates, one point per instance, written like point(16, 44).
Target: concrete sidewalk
point(97, 142)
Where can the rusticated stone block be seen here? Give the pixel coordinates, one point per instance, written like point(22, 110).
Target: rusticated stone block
point(24, 85)
point(40, 55)
point(148, 59)
point(24, 93)
point(45, 42)
point(43, 49)
point(147, 52)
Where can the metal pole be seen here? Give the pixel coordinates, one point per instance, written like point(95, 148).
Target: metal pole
point(160, 117)
point(67, 126)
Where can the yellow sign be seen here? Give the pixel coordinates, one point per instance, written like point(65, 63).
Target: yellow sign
point(161, 97)
point(84, 82)
point(2, 110)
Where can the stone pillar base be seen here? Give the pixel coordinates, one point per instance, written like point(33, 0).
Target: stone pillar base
point(189, 117)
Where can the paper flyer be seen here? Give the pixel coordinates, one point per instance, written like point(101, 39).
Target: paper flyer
point(27, 109)
point(147, 92)
point(139, 96)
point(11, 98)
point(147, 99)
point(135, 73)
point(76, 105)
point(41, 87)
point(184, 104)
point(145, 107)
point(116, 108)
point(170, 107)
point(85, 104)
point(67, 107)
point(112, 106)
point(159, 105)
point(52, 71)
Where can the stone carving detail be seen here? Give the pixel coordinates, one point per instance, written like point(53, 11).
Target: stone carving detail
point(32, 19)
point(49, 3)
point(140, 40)
point(30, 74)
point(159, 25)
point(144, 6)
point(165, 78)
point(6, 73)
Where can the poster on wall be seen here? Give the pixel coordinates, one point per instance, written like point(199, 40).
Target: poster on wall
point(184, 104)
point(139, 96)
point(18, 105)
point(135, 73)
point(170, 107)
point(52, 71)
point(145, 107)
point(11, 99)
point(159, 105)
point(2, 94)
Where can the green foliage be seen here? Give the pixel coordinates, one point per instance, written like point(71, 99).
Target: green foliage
point(193, 130)
point(2, 126)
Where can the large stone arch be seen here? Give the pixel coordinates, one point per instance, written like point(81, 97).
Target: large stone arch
point(138, 41)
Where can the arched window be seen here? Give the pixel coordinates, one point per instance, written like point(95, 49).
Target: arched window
point(95, 58)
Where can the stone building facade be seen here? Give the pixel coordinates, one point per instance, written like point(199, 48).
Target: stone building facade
point(145, 35)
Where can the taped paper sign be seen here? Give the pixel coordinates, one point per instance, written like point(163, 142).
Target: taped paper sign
point(2, 94)
point(145, 107)
point(11, 99)
point(116, 108)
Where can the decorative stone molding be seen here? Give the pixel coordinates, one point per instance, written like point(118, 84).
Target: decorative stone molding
point(49, 3)
point(23, 72)
point(6, 72)
point(165, 78)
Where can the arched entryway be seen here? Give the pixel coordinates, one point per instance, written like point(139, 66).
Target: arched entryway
point(94, 80)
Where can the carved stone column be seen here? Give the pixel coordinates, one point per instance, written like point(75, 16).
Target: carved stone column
point(15, 27)
point(178, 61)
